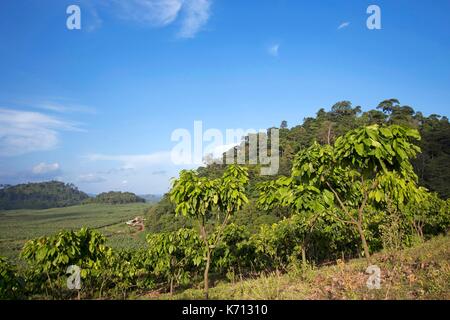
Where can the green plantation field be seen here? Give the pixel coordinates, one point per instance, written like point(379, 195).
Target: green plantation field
point(17, 226)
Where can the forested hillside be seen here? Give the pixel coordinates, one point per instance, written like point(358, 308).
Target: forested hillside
point(115, 197)
point(431, 165)
point(41, 195)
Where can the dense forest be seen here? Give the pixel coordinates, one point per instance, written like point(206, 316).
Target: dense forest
point(40, 195)
point(431, 164)
point(115, 197)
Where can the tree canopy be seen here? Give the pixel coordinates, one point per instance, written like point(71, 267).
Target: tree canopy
point(366, 166)
point(40, 195)
point(116, 197)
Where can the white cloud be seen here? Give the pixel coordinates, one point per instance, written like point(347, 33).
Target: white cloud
point(64, 107)
point(220, 150)
point(90, 178)
point(193, 14)
point(55, 104)
point(154, 12)
point(197, 14)
point(92, 20)
point(343, 25)
point(44, 168)
point(214, 154)
point(273, 50)
point(22, 132)
point(134, 161)
point(40, 172)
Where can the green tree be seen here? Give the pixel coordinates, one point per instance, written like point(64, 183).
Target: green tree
point(50, 256)
point(363, 167)
point(387, 106)
point(11, 284)
point(116, 197)
point(172, 254)
point(199, 198)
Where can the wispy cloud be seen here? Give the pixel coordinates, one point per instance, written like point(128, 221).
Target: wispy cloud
point(156, 13)
point(193, 14)
point(134, 161)
point(90, 178)
point(93, 19)
point(40, 172)
point(44, 168)
point(197, 13)
point(219, 150)
point(54, 104)
point(22, 132)
point(63, 107)
point(273, 50)
point(343, 25)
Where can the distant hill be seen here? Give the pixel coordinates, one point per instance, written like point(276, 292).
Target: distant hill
point(115, 197)
point(40, 195)
point(151, 198)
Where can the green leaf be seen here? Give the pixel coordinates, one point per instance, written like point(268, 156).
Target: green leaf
point(360, 149)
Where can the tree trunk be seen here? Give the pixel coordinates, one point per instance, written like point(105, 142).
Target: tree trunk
point(205, 278)
point(421, 232)
point(304, 262)
point(208, 257)
point(364, 243)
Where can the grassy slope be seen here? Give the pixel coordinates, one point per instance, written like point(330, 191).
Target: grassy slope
point(422, 272)
point(17, 226)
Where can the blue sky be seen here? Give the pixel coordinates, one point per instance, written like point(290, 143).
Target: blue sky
point(97, 106)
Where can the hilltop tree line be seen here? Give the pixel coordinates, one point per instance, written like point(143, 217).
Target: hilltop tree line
point(54, 194)
point(42, 195)
point(115, 197)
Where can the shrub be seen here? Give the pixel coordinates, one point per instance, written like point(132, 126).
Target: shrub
point(49, 257)
point(11, 284)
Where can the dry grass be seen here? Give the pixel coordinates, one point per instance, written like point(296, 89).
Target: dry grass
point(422, 272)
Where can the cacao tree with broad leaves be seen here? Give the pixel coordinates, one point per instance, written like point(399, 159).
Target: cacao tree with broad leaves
point(49, 257)
point(430, 215)
point(11, 284)
point(174, 254)
point(364, 167)
point(200, 198)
